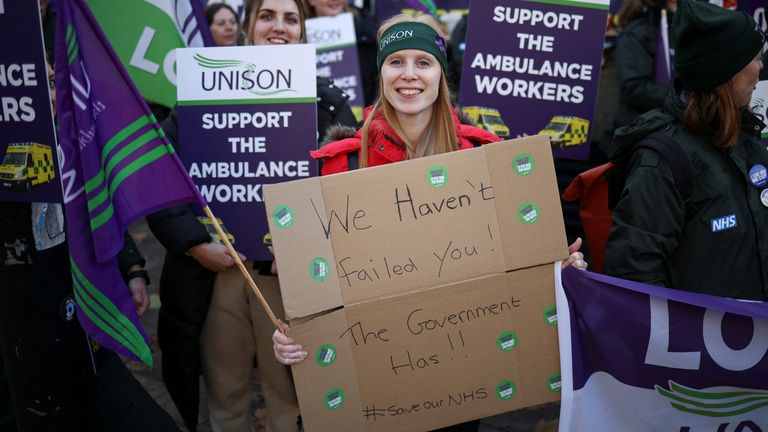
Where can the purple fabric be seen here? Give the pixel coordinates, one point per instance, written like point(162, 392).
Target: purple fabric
point(138, 173)
point(611, 328)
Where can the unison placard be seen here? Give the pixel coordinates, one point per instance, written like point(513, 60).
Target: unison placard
point(542, 76)
point(247, 117)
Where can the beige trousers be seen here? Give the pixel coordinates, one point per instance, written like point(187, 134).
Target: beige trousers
point(237, 329)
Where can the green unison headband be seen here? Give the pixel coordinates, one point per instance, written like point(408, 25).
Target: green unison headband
point(412, 35)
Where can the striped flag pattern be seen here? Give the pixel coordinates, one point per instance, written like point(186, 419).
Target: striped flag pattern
point(117, 166)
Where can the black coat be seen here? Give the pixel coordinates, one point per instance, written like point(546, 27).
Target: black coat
point(718, 243)
point(45, 354)
point(635, 60)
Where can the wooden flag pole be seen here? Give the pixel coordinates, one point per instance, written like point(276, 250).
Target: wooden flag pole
point(242, 268)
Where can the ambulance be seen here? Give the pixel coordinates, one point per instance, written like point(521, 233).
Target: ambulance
point(566, 131)
point(26, 165)
point(488, 119)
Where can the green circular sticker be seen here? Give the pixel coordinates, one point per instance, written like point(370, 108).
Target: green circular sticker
point(325, 355)
point(283, 216)
point(505, 390)
point(550, 316)
point(528, 212)
point(554, 382)
point(437, 176)
point(318, 269)
point(334, 399)
point(524, 164)
point(506, 341)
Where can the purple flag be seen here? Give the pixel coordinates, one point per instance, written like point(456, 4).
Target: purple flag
point(637, 357)
point(117, 166)
point(426, 6)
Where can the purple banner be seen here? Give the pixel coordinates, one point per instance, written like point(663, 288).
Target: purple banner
point(230, 151)
point(542, 76)
point(684, 360)
point(29, 169)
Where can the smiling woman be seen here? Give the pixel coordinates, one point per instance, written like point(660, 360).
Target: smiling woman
point(236, 328)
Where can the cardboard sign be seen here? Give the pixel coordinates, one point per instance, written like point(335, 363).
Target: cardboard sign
point(422, 289)
point(337, 57)
point(29, 170)
point(247, 117)
point(543, 78)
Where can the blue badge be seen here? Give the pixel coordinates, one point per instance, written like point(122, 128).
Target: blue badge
point(723, 223)
point(764, 197)
point(758, 176)
point(67, 308)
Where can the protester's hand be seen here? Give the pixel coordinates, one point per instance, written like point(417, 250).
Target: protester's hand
point(287, 351)
point(575, 258)
point(138, 288)
point(213, 256)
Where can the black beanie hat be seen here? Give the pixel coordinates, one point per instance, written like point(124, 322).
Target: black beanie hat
point(712, 44)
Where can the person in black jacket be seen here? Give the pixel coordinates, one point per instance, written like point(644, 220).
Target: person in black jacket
point(717, 241)
point(637, 56)
point(58, 378)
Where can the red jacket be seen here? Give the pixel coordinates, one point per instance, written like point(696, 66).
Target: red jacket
point(386, 147)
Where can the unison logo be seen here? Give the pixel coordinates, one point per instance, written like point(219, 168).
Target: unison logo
point(240, 75)
point(402, 34)
point(715, 403)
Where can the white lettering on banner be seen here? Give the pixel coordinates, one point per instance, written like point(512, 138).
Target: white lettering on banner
point(658, 353)
point(529, 89)
point(258, 120)
point(330, 57)
point(2, 7)
point(231, 193)
point(68, 178)
point(11, 108)
point(137, 58)
point(346, 81)
point(536, 42)
point(18, 75)
point(725, 356)
point(324, 72)
point(242, 169)
point(83, 89)
point(530, 66)
point(533, 18)
point(658, 345)
point(248, 144)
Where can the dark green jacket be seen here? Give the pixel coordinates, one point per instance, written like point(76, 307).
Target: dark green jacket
point(657, 239)
point(635, 60)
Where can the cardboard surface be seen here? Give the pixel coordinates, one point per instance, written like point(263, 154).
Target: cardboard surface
point(421, 288)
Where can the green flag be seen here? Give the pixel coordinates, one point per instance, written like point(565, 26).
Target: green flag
point(145, 34)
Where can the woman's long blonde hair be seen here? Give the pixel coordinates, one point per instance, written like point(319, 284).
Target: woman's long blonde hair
point(441, 135)
point(253, 7)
